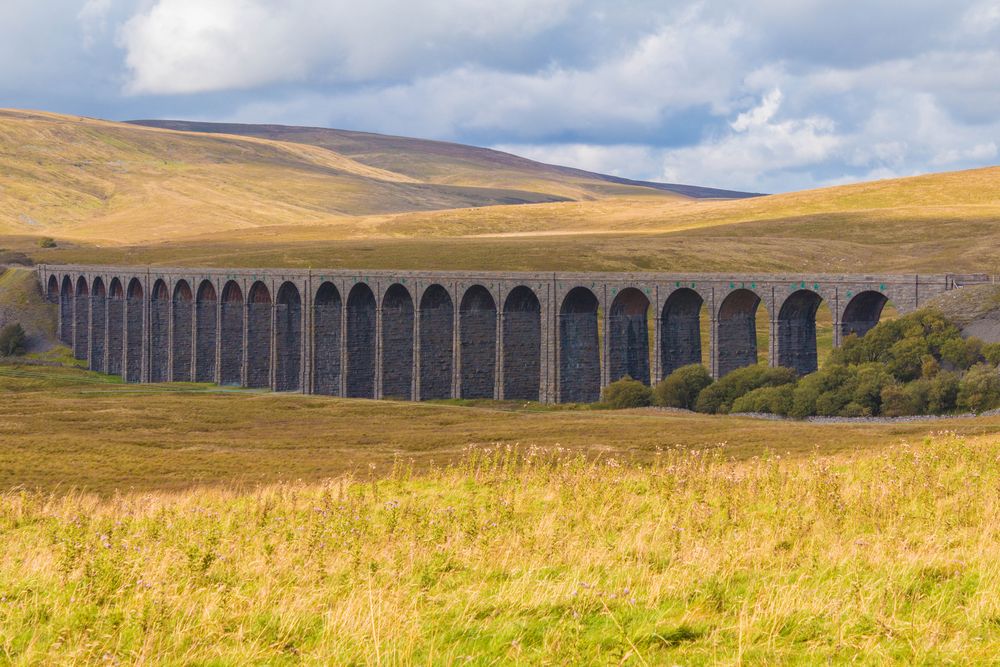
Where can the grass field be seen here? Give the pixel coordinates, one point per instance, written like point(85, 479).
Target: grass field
point(522, 556)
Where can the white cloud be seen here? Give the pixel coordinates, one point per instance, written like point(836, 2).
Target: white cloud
point(190, 46)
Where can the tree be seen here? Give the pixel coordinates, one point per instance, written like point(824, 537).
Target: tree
point(627, 393)
point(12, 340)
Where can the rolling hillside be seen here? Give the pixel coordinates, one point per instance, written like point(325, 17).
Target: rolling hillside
point(92, 180)
point(128, 193)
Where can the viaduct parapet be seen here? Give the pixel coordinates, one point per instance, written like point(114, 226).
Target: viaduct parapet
point(418, 335)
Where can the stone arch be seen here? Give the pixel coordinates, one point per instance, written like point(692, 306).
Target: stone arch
point(522, 345)
point(737, 331)
point(66, 311)
point(232, 313)
point(327, 308)
point(680, 330)
point(81, 319)
point(360, 342)
point(397, 343)
point(862, 313)
point(116, 327)
point(52, 289)
point(437, 343)
point(288, 339)
point(628, 328)
point(98, 325)
point(183, 330)
point(579, 348)
point(797, 331)
point(159, 332)
point(135, 331)
point(206, 321)
point(259, 336)
point(477, 329)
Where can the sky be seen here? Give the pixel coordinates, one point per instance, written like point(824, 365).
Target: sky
point(764, 96)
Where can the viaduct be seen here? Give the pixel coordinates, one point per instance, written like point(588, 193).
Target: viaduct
point(418, 335)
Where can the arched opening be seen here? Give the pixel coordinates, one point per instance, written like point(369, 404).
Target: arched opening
point(52, 290)
point(628, 347)
point(361, 342)
point(680, 330)
point(288, 354)
point(797, 331)
point(522, 345)
point(116, 327)
point(98, 325)
point(579, 348)
point(66, 311)
point(81, 319)
point(259, 336)
point(739, 336)
point(206, 321)
point(134, 331)
point(477, 330)
point(159, 333)
point(437, 322)
point(326, 340)
point(397, 343)
point(863, 312)
point(231, 343)
point(183, 325)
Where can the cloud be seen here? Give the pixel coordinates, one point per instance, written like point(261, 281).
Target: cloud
point(769, 95)
point(191, 46)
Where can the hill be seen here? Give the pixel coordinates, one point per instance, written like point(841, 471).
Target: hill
point(446, 163)
point(128, 193)
point(92, 180)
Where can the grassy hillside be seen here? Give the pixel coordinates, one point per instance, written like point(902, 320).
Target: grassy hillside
point(112, 192)
point(93, 180)
point(525, 557)
point(443, 162)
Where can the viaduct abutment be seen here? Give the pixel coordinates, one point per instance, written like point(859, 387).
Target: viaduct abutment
point(418, 335)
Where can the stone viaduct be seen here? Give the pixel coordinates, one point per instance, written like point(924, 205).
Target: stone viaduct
point(552, 337)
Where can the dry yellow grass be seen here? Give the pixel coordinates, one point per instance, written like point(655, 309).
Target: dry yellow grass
point(525, 557)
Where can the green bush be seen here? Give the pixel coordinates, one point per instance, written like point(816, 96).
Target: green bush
point(942, 395)
point(902, 400)
point(46, 242)
point(962, 354)
point(717, 398)
point(773, 400)
point(979, 389)
point(872, 378)
point(824, 392)
point(12, 340)
point(680, 389)
point(627, 393)
point(991, 352)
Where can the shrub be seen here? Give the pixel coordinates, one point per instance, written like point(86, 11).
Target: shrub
point(773, 400)
point(902, 400)
point(719, 396)
point(681, 388)
point(627, 393)
point(872, 378)
point(942, 394)
point(962, 354)
point(12, 340)
point(46, 242)
point(979, 389)
point(906, 358)
point(991, 352)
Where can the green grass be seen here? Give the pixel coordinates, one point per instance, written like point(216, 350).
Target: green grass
point(66, 428)
point(523, 556)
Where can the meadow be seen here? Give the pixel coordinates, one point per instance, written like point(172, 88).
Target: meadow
point(522, 555)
